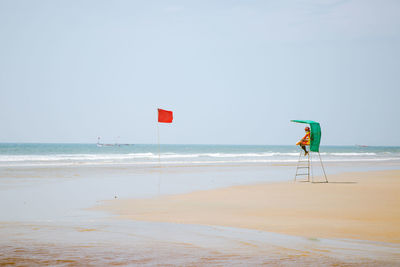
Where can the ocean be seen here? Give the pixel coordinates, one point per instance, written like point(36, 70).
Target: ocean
point(48, 193)
point(32, 154)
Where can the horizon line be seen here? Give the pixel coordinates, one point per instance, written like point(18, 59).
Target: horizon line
point(193, 144)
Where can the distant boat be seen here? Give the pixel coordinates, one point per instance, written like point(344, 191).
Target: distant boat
point(98, 144)
point(361, 145)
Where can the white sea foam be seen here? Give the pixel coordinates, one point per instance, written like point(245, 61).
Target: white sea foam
point(350, 154)
point(184, 158)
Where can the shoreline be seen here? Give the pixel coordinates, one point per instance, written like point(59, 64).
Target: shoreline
point(172, 164)
point(357, 205)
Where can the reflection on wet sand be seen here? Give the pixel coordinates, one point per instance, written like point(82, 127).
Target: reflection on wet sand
point(46, 219)
point(129, 243)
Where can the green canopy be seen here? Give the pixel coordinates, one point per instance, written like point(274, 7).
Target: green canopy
point(315, 136)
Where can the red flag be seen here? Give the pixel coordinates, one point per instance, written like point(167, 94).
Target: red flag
point(164, 116)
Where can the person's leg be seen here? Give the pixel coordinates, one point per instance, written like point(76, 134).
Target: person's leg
point(305, 149)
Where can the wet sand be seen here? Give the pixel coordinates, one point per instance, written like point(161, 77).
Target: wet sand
point(47, 217)
point(363, 206)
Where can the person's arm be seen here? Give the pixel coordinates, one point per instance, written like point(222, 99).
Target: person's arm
point(306, 137)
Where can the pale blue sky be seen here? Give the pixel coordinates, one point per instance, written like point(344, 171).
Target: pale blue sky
point(233, 72)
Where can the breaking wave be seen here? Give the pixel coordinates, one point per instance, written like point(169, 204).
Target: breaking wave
point(184, 158)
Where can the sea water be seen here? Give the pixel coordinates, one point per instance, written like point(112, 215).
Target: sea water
point(30, 154)
point(47, 192)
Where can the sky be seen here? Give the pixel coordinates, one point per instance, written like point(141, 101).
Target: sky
point(233, 72)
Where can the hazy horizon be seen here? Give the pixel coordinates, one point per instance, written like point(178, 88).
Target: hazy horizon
point(155, 144)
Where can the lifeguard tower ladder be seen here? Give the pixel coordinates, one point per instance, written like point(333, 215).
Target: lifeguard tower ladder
point(304, 166)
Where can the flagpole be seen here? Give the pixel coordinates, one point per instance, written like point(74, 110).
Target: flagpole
point(164, 116)
point(159, 162)
point(158, 142)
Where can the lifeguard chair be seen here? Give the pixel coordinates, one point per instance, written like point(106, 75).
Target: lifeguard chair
point(304, 167)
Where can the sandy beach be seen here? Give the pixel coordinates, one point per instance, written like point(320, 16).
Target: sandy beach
point(248, 214)
point(361, 205)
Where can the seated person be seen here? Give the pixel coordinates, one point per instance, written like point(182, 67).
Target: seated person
point(305, 141)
